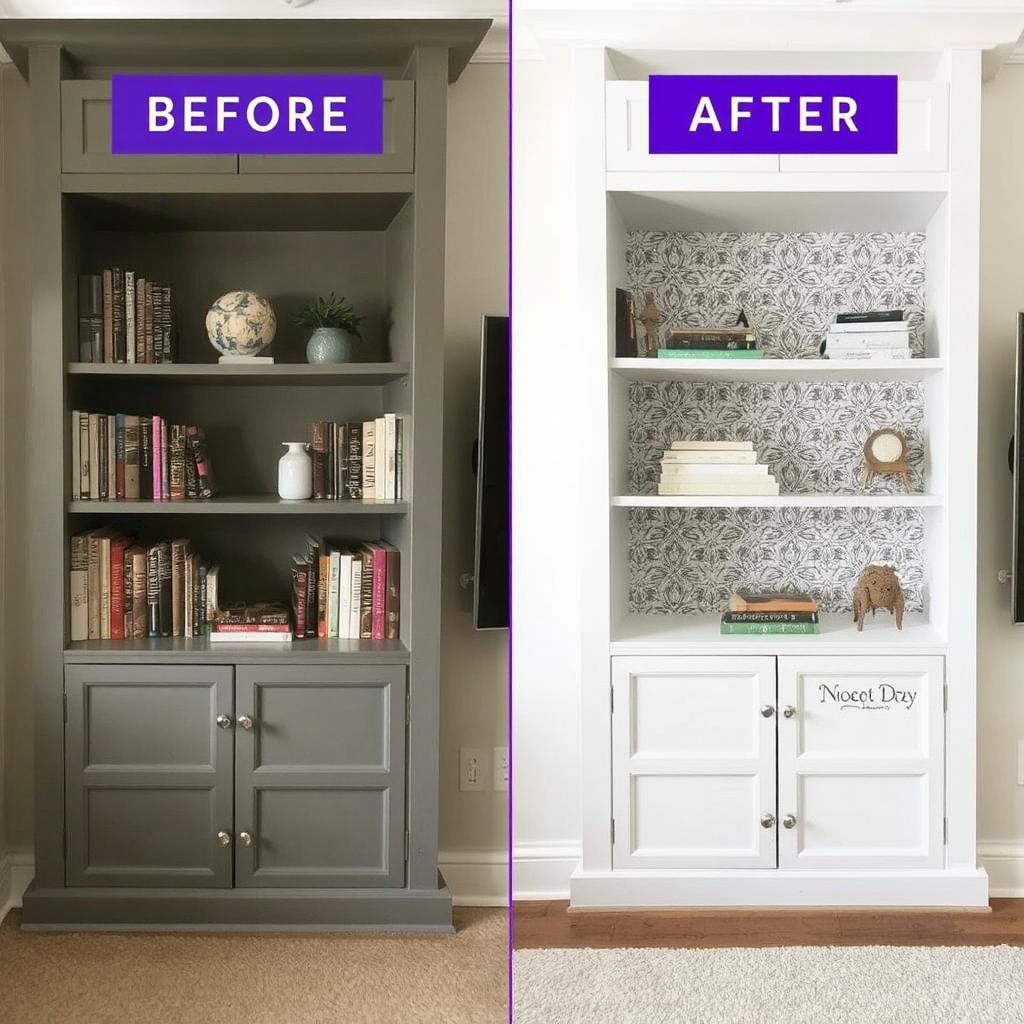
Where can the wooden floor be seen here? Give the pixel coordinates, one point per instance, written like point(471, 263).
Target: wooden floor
point(547, 924)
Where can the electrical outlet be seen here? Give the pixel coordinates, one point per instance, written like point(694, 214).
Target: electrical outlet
point(500, 774)
point(472, 769)
point(1020, 762)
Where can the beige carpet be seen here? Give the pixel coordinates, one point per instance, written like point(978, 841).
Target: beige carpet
point(789, 985)
point(95, 978)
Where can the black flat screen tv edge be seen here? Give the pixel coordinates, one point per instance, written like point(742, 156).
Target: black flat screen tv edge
point(491, 560)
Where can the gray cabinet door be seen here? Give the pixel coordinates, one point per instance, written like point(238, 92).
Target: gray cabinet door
point(320, 776)
point(148, 775)
point(397, 158)
point(85, 139)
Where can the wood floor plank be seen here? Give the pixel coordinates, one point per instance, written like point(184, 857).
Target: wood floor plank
point(549, 923)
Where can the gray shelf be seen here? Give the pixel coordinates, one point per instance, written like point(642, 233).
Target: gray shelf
point(344, 374)
point(199, 649)
point(241, 504)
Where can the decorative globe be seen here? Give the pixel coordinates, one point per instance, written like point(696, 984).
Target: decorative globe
point(241, 324)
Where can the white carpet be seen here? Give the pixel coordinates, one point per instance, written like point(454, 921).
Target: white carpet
point(795, 985)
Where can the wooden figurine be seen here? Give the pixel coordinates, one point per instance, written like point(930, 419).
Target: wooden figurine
point(878, 586)
point(885, 454)
point(650, 317)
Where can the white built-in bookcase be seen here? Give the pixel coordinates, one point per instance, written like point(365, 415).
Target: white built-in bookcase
point(930, 187)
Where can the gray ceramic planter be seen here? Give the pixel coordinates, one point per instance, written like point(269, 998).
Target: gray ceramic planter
point(330, 345)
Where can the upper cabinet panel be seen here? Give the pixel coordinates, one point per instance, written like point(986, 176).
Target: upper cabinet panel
point(85, 139)
point(923, 137)
point(626, 134)
point(397, 158)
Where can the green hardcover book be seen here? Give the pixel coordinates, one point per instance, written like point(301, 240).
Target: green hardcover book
point(770, 629)
point(709, 353)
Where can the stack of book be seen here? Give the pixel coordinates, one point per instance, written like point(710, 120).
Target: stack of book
point(123, 457)
point(711, 343)
point(348, 591)
point(122, 590)
point(264, 622)
point(880, 334)
point(358, 461)
point(714, 467)
point(123, 318)
point(769, 613)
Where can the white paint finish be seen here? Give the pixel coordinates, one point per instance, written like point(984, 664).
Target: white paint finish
point(861, 762)
point(923, 139)
point(1004, 862)
point(776, 501)
point(961, 887)
point(541, 872)
point(776, 369)
point(693, 762)
point(627, 142)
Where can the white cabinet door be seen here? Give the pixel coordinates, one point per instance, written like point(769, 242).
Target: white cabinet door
point(923, 126)
point(693, 754)
point(626, 109)
point(861, 762)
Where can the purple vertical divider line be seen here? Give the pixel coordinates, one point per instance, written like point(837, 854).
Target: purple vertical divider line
point(511, 542)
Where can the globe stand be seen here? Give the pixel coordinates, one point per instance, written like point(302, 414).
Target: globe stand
point(246, 360)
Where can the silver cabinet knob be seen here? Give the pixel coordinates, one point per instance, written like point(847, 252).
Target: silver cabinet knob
point(789, 821)
point(223, 838)
point(223, 721)
point(789, 711)
point(245, 721)
point(245, 838)
point(767, 711)
point(767, 820)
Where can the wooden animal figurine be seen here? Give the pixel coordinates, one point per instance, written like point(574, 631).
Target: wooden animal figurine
point(650, 317)
point(878, 586)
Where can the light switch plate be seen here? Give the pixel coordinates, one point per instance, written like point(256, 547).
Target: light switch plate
point(473, 764)
point(500, 773)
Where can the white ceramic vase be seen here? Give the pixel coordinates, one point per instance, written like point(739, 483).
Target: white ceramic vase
point(295, 472)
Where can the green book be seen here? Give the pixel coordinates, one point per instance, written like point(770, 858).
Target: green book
point(709, 353)
point(770, 628)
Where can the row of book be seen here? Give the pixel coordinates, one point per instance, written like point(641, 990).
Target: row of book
point(124, 457)
point(357, 461)
point(348, 591)
point(714, 467)
point(123, 318)
point(879, 334)
point(122, 590)
point(711, 343)
point(774, 613)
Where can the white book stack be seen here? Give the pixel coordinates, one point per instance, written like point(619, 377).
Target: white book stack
point(715, 468)
point(868, 339)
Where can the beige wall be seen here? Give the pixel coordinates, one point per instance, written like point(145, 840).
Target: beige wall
point(15, 261)
point(1000, 644)
point(474, 665)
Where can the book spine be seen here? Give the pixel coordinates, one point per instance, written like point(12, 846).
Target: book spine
point(318, 454)
point(354, 622)
point(212, 606)
point(201, 457)
point(105, 588)
point(119, 457)
point(393, 596)
point(104, 468)
point(155, 458)
point(129, 315)
point(148, 324)
point(711, 343)
point(252, 627)
point(118, 314)
point(108, 316)
point(299, 584)
point(311, 585)
point(176, 469)
point(140, 593)
point(329, 482)
point(177, 588)
point(770, 629)
point(129, 594)
point(138, 340)
point(94, 587)
point(165, 605)
point(78, 587)
point(346, 561)
point(390, 467)
point(709, 353)
point(167, 324)
point(191, 473)
point(369, 459)
point(111, 457)
point(354, 478)
point(76, 456)
point(158, 324)
point(341, 459)
point(399, 459)
point(379, 460)
point(323, 580)
point(871, 316)
point(153, 591)
point(334, 595)
point(131, 458)
point(770, 617)
point(84, 455)
point(90, 339)
point(380, 570)
point(165, 485)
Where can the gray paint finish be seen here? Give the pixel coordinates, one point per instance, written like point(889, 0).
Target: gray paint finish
point(149, 775)
point(320, 777)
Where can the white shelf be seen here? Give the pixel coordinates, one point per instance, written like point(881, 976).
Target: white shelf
point(776, 501)
point(701, 635)
point(776, 369)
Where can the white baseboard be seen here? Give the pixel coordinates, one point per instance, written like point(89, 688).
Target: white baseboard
point(16, 871)
point(1004, 862)
point(542, 872)
point(476, 878)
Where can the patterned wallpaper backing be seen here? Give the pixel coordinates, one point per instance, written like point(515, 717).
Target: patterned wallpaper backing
point(685, 561)
point(811, 434)
point(790, 285)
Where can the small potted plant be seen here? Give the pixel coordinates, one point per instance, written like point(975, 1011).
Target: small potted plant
point(335, 329)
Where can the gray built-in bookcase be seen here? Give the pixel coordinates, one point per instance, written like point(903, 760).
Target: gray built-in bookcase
point(316, 803)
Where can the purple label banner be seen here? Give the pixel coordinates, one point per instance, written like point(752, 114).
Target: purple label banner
point(773, 114)
point(253, 114)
